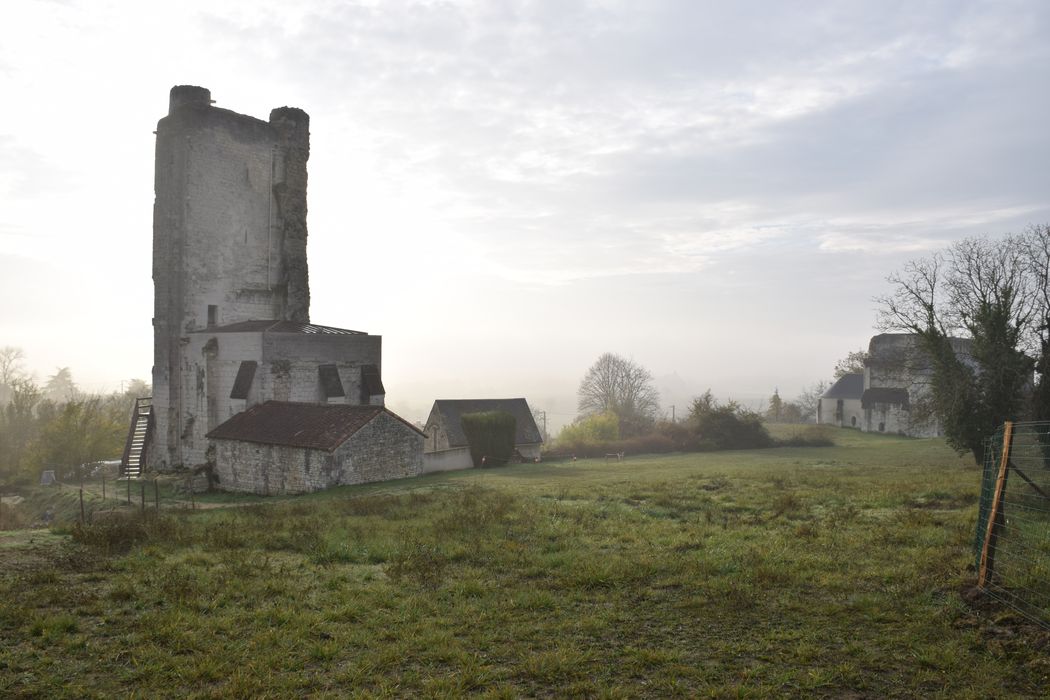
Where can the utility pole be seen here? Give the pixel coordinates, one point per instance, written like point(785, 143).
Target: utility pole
point(672, 413)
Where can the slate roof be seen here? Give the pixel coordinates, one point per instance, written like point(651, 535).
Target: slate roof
point(453, 410)
point(884, 395)
point(271, 326)
point(308, 425)
point(849, 386)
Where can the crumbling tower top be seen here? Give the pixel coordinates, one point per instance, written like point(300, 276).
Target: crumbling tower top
point(182, 95)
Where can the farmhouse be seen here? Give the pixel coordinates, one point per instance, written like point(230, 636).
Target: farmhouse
point(244, 384)
point(446, 444)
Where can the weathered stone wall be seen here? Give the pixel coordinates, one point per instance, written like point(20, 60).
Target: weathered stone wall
point(229, 232)
point(852, 413)
point(895, 361)
point(384, 449)
point(436, 432)
point(286, 371)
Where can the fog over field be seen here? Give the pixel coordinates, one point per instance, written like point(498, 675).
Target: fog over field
point(504, 191)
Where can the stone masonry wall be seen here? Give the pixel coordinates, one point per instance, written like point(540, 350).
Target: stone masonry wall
point(383, 449)
point(229, 232)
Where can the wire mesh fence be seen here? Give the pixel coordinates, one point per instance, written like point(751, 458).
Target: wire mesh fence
point(1012, 543)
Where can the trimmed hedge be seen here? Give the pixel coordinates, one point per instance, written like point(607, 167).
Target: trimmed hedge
point(490, 435)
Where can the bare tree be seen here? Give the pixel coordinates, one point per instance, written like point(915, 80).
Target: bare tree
point(981, 289)
point(809, 399)
point(10, 364)
point(853, 363)
point(623, 387)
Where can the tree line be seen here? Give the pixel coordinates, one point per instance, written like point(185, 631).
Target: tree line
point(55, 425)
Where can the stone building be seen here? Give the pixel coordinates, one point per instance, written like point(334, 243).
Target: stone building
point(446, 445)
point(283, 447)
point(893, 394)
point(841, 404)
point(231, 319)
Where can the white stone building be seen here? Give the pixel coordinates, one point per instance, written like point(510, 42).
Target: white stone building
point(895, 389)
point(841, 404)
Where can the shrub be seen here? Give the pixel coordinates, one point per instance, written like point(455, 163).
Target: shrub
point(589, 434)
point(490, 435)
point(727, 426)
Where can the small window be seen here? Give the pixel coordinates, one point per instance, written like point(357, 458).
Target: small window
point(882, 427)
point(213, 315)
point(853, 421)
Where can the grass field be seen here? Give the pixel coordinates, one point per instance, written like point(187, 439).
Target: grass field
point(789, 572)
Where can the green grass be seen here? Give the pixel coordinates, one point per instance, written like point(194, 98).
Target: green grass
point(793, 571)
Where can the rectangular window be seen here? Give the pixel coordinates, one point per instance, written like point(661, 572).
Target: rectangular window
point(213, 315)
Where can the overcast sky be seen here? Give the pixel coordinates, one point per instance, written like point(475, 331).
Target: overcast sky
point(505, 190)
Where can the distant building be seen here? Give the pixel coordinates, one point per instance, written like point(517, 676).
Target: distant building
point(841, 404)
point(894, 389)
point(446, 447)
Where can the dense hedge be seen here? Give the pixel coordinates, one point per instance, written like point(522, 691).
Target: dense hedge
point(490, 435)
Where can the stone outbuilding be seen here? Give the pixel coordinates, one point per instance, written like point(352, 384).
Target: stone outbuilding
point(446, 445)
point(281, 447)
point(841, 404)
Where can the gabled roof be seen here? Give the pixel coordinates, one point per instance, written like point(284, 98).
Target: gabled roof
point(848, 386)
point(884, 395)
point(453, 410)
point(271, 326)
point(308, 425)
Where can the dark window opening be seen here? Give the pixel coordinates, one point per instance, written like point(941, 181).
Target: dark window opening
point(213, 315)
point(882, 427)
point(331, 385)
point(371, 383)
point(853, 421)
point(243, 383)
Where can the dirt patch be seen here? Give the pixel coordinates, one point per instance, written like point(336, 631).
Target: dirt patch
point(28, 550)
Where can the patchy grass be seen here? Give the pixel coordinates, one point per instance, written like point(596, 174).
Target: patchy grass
point(792, 571)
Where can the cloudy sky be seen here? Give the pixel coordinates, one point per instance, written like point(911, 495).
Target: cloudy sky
point(505, 190)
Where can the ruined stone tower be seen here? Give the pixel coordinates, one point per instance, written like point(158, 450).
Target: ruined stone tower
point(229, 238)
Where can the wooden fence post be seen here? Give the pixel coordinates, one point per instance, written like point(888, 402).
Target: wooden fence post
point(996, 516)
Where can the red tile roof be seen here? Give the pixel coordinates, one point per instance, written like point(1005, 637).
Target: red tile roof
point(314, 426)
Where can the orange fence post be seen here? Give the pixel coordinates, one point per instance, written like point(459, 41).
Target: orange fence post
point(995, 515)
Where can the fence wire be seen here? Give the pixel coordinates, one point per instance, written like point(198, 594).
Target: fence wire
point(1012, 542)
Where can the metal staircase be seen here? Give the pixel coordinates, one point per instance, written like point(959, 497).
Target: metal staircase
point(133, 461)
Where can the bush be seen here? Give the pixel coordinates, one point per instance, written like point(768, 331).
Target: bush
point(589, 435)
point(490, 435)
point(730, 427)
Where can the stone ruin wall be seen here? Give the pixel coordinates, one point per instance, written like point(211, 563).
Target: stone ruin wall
point(229, 232)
